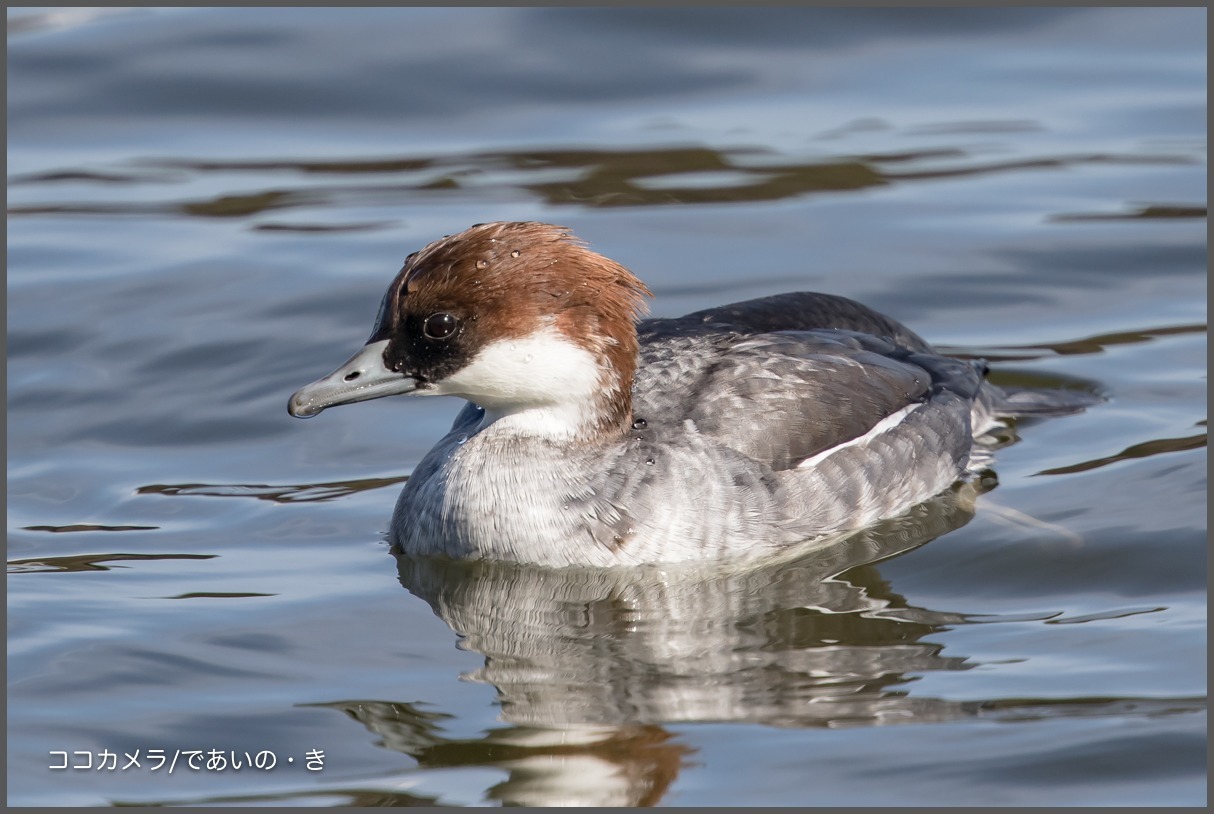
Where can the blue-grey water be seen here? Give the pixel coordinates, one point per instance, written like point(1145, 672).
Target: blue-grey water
point(204, 208)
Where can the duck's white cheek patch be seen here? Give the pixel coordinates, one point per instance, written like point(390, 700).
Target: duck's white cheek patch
point(542, 368)
point(883, 426)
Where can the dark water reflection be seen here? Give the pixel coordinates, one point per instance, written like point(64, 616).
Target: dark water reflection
point(294, 493)
point(592, 178)
point(89, 562)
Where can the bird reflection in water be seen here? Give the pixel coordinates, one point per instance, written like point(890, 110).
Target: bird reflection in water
point(590, 665)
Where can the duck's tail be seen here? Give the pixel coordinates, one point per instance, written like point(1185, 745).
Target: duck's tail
point(1039, 401)
point(994, 404)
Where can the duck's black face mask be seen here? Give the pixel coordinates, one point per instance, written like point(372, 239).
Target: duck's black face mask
point(365, 375)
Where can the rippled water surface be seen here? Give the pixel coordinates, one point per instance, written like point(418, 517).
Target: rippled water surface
point(204, 209)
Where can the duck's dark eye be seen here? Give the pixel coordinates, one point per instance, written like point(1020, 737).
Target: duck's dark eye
point(440, 326)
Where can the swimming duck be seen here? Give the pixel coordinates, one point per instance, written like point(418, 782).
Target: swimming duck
point(593, 437)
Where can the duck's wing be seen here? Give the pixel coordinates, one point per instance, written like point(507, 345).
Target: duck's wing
point(782, 398)
point(794, 311)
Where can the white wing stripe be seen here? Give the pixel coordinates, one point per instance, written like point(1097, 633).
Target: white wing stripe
point(883, 426)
